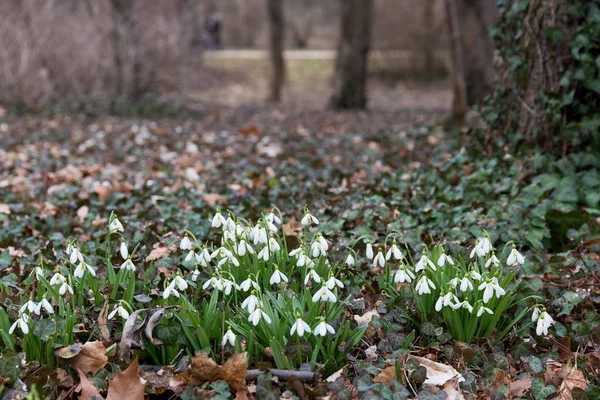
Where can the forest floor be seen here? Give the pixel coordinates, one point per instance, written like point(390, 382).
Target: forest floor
point(363, 174)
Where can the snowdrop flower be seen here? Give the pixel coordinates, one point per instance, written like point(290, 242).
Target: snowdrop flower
point(75, 256)
point(64, 288)
point(482, 247)
point(274, 245)
point(445, 301)
point(230, 225)
point(454, 282)
point(489, 287)
point(272, 218)
point(319, 247)
point(45, 304)
point(403, 275)
point(39, 273)
point(312, 274)
point(544, 321)
point(115, 226)
point(228, 286)
point(243, 247)
point(369, 251)
point(333, 282)
point(300, 326)
point(309, 219)
point(30, 306)
point(424, 285)
point(474, 275)
point(119, 309)
point(492, 261)
point(394, 251)
point(304, 260)
point(226, 256)
point(214, 282)
point(324, 294)
point(256, 315)
point(245, 285)
point(322, 328)
point(57, 279)
point(465, 284)
point(296, 252)
point(464, 304)
point(195, 275)
point(180, 283)
point(536, 314)
point(229, 336)
point(186, 243)
point(424, 262)
point(170, 290)
point(515, 258)
point(350, 260)
point(204, 258)
point(379, 259)
point(258, 234)
point(123, 250)
point(483, 309)
point(218, 219)
point(128, 265)
point(444, 259)
point(251, 302)
point(264, 254)
point(80, 270)
point(22, 322)
point(277, 277)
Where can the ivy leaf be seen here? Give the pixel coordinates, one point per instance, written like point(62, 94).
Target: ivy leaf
point(44, 328)
point(540, 390)
point(10, 365)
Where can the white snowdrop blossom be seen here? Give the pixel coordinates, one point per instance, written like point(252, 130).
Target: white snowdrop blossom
point(444, 258)
point(324, 294)
point(128, 265)
point(274, 245)
point(536, 314)
point(245, 285)
point(333, 282)
point(116, 226)
point(490, 287)
point(476, 276)
point(403, 275)
point(319, 247)
point(57, 279)
point(394, 251)
point(251, 303)
point(309, 219)
point(30, 306)
point(300, 327)
point(204, 258)
point(424, 285)
point(454, 282)
point(312, 274)
point(191, 255)
point(45, 304)
point(215, 282)
point(322, 328)
point(483, 309)
point(243, 247)
point(217, 220)
point(170, 291)
point(379, 259)
point(180, 283)
point(228, 286)
point(195, 275)
point(464, 304)
point(277, 277)
point(39, 273)
point(230, 225)
point(123, 250)
point(482, 247)
point(75, 256)
point(544, 321)
point(515, 257)
point(255, 317)
point(272, 218)
point(493, 260)
point(369, 251)
point(80, 270)
point(258, 234)
point(226, 256)
point(424, 262)
point(22, 322)
point(229, 336)
point(120, 310)
point(350, 260)
point(64, 288)
point(186, 243)
point(465, 284)
point(445, 301)
point(264, 254)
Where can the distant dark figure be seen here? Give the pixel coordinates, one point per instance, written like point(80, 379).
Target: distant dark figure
point(212, 32)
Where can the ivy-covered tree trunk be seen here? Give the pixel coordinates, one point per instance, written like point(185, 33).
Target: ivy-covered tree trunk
point(350, 79)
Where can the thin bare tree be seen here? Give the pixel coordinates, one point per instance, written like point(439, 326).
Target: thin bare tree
point(276, 41)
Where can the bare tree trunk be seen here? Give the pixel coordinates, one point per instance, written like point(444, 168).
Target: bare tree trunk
point(459, 90)
point(429, 42)
point(276, 41)
point(350, 79)
point(123, 40)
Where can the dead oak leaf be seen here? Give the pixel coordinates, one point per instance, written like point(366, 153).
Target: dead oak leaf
point(213, 198)
point(91, 357)
point(4, 209)
point(88, 389)
point(127, 384)
point(520, 387)
point(82, 213)
point(386, 375)
point(159, 251)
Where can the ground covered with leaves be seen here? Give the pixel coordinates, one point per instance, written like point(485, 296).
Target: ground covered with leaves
point(368, 177)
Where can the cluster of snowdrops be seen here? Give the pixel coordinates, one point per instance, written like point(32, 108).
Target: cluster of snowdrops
point(251, 293)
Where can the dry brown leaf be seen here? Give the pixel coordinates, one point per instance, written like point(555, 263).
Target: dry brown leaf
point(438, 374)
point(103, 192)
point(204, 369)
point(64, 379)
point(366, 318)
point(213, 198)
point(234, 371)
point(103, 321)
point(99, 223)
point(520, 387)
point(452, 389)
point(159, 251)
point(386, 375)
point(88, 389)
point(15, 252)
point(572, 378)
point(291, 228)
point(82, 213)
point(4, 209)
point(127, 384)
point(333, 377)
point(91, 357)
point(47, 209)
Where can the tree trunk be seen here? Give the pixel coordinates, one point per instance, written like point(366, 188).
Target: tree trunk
point(124, 44)
point(350, 79)
point(457, 71)
point(429, 42)
point(276, 41)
